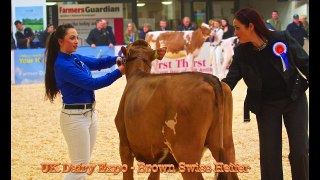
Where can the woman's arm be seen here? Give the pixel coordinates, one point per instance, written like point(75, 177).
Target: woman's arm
point(300, 57)
point(234, 74)
point(76, 76)
point(97, 63)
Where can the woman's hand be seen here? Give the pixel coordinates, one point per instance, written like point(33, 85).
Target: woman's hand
point(122, 69)
point(119, 61)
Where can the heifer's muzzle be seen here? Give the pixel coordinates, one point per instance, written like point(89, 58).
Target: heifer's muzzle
point(124, 61)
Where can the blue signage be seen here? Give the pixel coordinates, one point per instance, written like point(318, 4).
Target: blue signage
point(29, 64)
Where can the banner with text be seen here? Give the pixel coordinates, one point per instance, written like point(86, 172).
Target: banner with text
point(170, 64)
point(83, 17)
point(187, 51)
point(89, 11)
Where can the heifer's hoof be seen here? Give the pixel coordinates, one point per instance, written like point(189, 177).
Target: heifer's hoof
point(227, 176)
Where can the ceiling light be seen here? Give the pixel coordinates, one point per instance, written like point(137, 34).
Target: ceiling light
point(166, 2)
point(50, 3)
point(141, 4)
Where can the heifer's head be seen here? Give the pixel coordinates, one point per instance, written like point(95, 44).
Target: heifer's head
point(139, 56)
point(205, 29)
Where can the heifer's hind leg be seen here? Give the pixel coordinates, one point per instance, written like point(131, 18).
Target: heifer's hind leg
point(217, 152)
point(188, 154)
point(229, 151)
point(224, 154)
point(154, 176)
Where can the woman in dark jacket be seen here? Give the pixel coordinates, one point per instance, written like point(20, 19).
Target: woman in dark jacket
point(44, 35)
point(273, 66)
point(228, 30)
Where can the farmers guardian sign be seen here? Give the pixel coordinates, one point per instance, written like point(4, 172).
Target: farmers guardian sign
point(82, 11)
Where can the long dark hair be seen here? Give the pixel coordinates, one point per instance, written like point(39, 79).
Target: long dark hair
point(250, 15)
point(51, 54)
point(227, 21)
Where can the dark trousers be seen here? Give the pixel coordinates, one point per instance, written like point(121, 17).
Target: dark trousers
point(295, 117)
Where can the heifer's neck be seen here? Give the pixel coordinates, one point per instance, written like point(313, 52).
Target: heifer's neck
point(136, 67)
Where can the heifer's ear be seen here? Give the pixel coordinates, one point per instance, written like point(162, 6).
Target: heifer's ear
point(124, 51)
point(160, 52)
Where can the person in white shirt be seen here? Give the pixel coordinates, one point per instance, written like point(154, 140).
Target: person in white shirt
point(216, 50)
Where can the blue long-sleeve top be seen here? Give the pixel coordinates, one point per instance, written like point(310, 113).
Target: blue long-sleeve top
point(74, 78)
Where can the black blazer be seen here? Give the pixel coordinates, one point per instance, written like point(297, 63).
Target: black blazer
point(112, 39)
point(244, 66)
point(43, 38)
point(101, 37)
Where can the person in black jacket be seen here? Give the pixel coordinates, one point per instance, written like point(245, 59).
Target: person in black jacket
point(273, 66)
point(101, 35)
point(228, 30)
point(297, 30)
point(186, 25)
point(163, 25)
point(44, 35)
point(24, 36)
point(109, 32)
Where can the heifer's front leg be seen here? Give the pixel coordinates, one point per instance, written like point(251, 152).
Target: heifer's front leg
point(126, 158)
point(125, 151)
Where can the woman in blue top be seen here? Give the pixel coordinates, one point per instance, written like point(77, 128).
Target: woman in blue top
point(69, 74)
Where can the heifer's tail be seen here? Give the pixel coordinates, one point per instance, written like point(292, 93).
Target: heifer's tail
point(220, 100)
point(219, 94)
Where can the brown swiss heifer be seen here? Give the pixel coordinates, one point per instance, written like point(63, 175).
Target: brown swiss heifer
point(171, 118)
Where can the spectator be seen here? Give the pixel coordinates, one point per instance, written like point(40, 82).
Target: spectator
point(163, 25)
point(109, 33)
point(215, 40)
point(131, 33)
point(297, 30)
point(303, 19)
point(101, 35)
point(145, 29)
point(24, 36)
point(228, 30)
point(211, 23)
point(275, 21)
point(44, 35)
point(216, 33)
point(186, 25)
